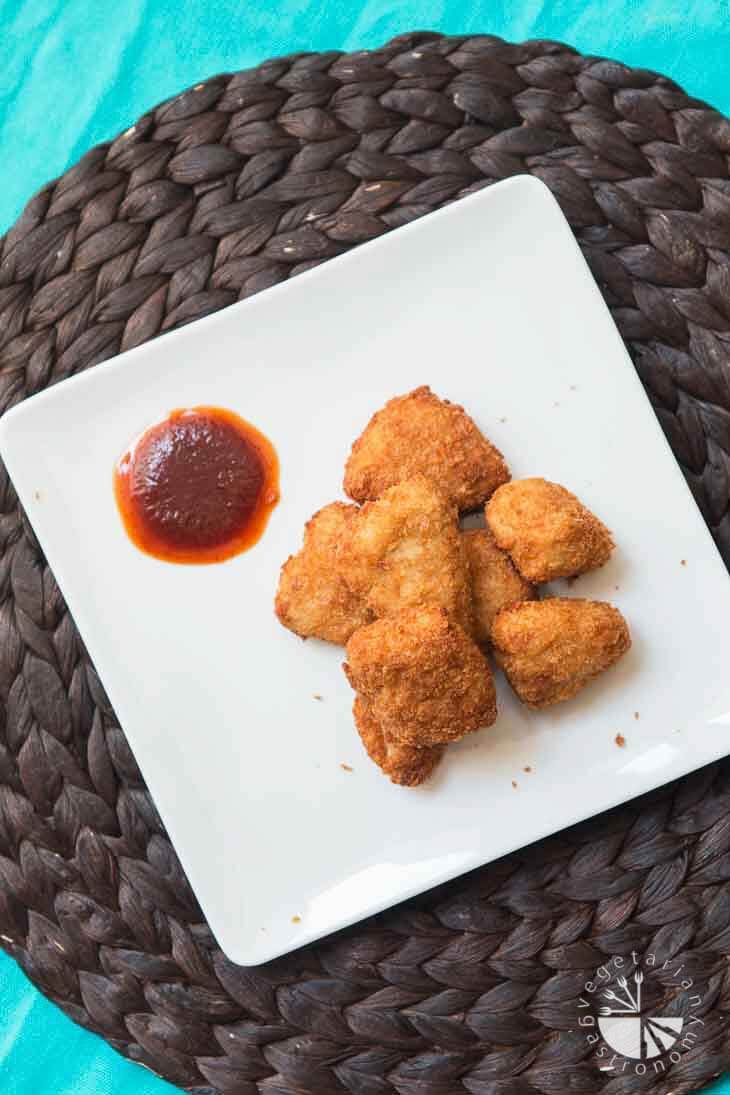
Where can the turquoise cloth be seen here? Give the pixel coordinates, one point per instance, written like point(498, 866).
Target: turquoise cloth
point(44, 1053)
point(75, 72)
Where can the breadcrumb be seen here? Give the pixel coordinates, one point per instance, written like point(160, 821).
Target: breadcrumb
point(620, 740)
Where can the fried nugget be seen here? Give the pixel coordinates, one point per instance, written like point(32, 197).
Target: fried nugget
point(495, 583)
point(406, 549)
point(313, 598)
point(403, 764)
point(419, 433)
point(547, 531)
point(425, 681)
point(550, 649)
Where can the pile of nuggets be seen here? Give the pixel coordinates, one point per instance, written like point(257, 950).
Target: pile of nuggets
point(419, 603)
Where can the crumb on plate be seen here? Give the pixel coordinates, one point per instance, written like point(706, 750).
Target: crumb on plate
point(514, 783)
point(683, 562)
point(636, 714)
point(620, 740)
point(316, 696)
point(345, 767)
point(296, 920)
point(527, 768)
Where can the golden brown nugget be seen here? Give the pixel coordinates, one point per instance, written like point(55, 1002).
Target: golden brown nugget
point(313, 598)
point(417, 434)
point(550, 649)
point(547, 531)
point(425, 681)
point(406, 549)
point(495, 582)
point(403, 764)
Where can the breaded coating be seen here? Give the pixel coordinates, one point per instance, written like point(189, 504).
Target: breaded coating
point(417, 434)
point(547, 531)
point(403, 764)
point(313, 598)
point(550, 649)
point(495, 583)
point(424, 680)
point(406, 549)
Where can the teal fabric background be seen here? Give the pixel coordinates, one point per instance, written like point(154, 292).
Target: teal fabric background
point(44, 1053)
point(75, 72)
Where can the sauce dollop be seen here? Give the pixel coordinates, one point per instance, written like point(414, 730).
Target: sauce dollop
point(198, 487)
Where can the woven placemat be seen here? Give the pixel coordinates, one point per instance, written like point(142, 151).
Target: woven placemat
point(231, 187)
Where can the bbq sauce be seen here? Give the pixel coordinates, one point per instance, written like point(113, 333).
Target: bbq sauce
point(198, 487)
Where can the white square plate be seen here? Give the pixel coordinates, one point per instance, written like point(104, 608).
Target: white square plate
point(490, 302)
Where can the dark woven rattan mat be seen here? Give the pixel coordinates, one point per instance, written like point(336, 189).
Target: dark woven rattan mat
point(228, 188)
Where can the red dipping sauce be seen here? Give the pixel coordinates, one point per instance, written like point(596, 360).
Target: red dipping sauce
point(198, 487)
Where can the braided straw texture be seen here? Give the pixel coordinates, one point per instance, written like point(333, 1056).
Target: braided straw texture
point(228, 188)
